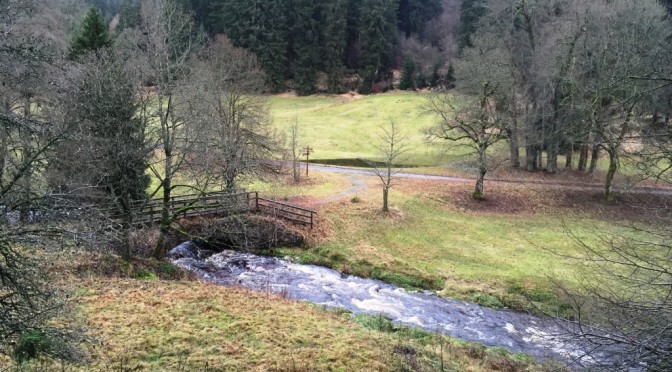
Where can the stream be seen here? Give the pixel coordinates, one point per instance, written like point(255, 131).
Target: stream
point(517, 332)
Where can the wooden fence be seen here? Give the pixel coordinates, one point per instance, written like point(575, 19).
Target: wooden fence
point(221, 203)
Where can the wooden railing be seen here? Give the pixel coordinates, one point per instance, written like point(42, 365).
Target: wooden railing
point(221, 203)
point(293, 213)
point(215, 203)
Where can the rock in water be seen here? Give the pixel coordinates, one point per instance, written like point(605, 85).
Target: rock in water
point(184, 250)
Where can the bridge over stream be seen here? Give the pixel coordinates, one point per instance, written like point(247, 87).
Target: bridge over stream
point(221, 203)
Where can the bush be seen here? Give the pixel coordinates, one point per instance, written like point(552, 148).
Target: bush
point(141, 274)
point(486, 300)
point(30, 345)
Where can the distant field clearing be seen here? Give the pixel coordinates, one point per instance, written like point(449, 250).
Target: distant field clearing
point(348, 127)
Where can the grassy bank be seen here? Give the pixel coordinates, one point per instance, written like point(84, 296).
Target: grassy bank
point(185, 325)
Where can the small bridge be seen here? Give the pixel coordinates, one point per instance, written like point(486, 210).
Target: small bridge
point(222, 203)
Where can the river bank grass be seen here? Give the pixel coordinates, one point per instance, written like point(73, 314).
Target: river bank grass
point(182, 325)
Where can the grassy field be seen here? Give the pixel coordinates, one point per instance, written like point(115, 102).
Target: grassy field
point(345, 127)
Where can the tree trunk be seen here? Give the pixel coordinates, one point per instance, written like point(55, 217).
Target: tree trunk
point(482, 170)
point(583, 157)
point(127, 249)
point(569, 157)
point(613, 167)
point(594, 158)
point(385, 194)
point(230, 184)
point(552, 158)
point(531, 158)
point(478, 191)
point(4, 143)
point(160, 249)
point(514, 148)
point(296, 170)
point(654, 120)
point(27, 178)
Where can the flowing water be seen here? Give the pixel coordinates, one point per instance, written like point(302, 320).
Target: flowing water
point(514, 331)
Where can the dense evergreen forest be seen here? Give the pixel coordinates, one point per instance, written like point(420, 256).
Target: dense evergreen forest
point(325, 45)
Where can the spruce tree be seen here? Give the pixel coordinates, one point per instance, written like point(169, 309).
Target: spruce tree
point(129, 14)
point(413, 14)
point(305, 44)
point(668, 5)
point(470, 15)
point(91, 36)
point(450, 77)
point(258, 25)
point(407, 75)
point(107, 108)
point(435, 78)
point(378, 34)
point(334, 40)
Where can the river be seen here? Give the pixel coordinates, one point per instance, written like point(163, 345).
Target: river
point(515, 331)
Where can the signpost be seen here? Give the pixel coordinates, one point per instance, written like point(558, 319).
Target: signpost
point(307, 151)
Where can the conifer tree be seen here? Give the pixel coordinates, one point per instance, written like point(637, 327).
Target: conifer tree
point(129, 14)
point(334, 41)
point(258, 25)
point(435, 78)
point(91, 36)
point(407, 75)
point(413, 14)
point(378, 36)
point(450, 77)
point(305, 44)
point(470, 15)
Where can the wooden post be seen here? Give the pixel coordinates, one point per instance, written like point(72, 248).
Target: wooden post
point(307, 151)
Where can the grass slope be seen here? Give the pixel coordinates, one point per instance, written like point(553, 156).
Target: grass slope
point(184, 325)
point(340, 127)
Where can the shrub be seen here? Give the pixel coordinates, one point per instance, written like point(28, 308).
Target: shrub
point(30, 345)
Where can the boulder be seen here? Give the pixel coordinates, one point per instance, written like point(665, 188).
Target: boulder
point(184, 250)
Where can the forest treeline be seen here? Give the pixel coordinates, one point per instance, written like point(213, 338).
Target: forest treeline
point(327, 45)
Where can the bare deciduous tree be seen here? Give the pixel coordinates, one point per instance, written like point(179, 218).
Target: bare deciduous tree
point(480, 119)
point(237, 131)
point(615, 49)
point(294, 137)
point(170, 41)
point(392, 147)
